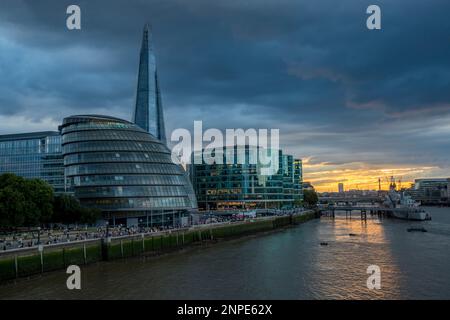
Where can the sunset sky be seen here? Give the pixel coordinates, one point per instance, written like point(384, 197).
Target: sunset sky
point(356, 105)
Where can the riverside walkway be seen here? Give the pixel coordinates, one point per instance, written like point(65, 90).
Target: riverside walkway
point(30, 241)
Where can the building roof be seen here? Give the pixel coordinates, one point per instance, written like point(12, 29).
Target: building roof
point(28, 135)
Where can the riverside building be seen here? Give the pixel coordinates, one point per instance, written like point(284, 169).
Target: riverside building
point(118, 167)
point(34, 155)
point(431, 191)
point(243, 186)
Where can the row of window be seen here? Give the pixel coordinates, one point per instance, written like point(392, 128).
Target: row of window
point(117, 157)
point(96, 180)
point(99, 125)
point(228, 197)
point(113, 146)
point(109, 135)
point(131, 191)
point(7, 149)
point(139, 203)
point(124, 168)
point(233, 183)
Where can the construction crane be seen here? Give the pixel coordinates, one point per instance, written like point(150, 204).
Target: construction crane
point(391, 182)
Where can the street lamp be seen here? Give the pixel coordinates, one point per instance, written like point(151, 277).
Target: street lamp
point(107, 229)
point(39, 235)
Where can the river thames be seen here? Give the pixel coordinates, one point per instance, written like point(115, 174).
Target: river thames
point(288, 264)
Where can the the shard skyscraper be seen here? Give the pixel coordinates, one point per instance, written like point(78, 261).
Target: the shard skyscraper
point(148, 112)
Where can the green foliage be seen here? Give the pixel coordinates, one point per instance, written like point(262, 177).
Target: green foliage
point(90, 215)
point(310, 197)
point(69, 210)
point(12, 206)
point(24, 202)
point(30, 202)
point(298, 202)
point(39, 195)
point(66, 209)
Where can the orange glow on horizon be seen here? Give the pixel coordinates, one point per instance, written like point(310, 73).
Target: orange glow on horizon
point(360, 176)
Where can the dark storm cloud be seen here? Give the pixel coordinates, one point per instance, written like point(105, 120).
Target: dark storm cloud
point(311, 68)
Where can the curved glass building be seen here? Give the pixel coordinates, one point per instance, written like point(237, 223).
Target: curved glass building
point(116, 166)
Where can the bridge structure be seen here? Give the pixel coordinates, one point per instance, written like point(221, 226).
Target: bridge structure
point(352, 200)
point(363, 210)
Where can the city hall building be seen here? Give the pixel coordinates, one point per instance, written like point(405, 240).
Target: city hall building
point(120, 168)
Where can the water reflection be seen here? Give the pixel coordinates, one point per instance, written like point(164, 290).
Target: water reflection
point(341, 266)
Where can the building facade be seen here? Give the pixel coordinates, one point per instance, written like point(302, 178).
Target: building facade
point(116, 166)
point(244, 186)
point(34, 155)
point(148, 111)
point(431, 191)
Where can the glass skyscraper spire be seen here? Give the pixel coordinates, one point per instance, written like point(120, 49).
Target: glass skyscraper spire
point(148, 112)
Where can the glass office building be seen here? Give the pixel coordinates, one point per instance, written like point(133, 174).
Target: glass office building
point(34, 155)
point(148, 111)
point(244, 186)
point(431, 191)
point(118, 167)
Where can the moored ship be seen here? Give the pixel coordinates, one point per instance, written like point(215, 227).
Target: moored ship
point(404, 207)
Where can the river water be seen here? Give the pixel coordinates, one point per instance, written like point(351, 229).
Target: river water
point(289, 264)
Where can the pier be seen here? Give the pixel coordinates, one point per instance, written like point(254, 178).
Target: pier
point(363, 210)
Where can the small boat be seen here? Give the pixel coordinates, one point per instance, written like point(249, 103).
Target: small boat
point(422, 229)
point(324, 243)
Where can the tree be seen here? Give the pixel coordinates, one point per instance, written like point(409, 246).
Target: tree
point(66, 209)
point(11, 208)
point(69, 210)
point(310, 197)
point(40, 198)
point(31, 201)
point(298, 202)
point(90, 215)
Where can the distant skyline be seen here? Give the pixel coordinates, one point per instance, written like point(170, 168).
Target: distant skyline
point(355, 105)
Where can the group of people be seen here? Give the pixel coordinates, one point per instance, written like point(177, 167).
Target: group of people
point(54, 236)
point(63, 235)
